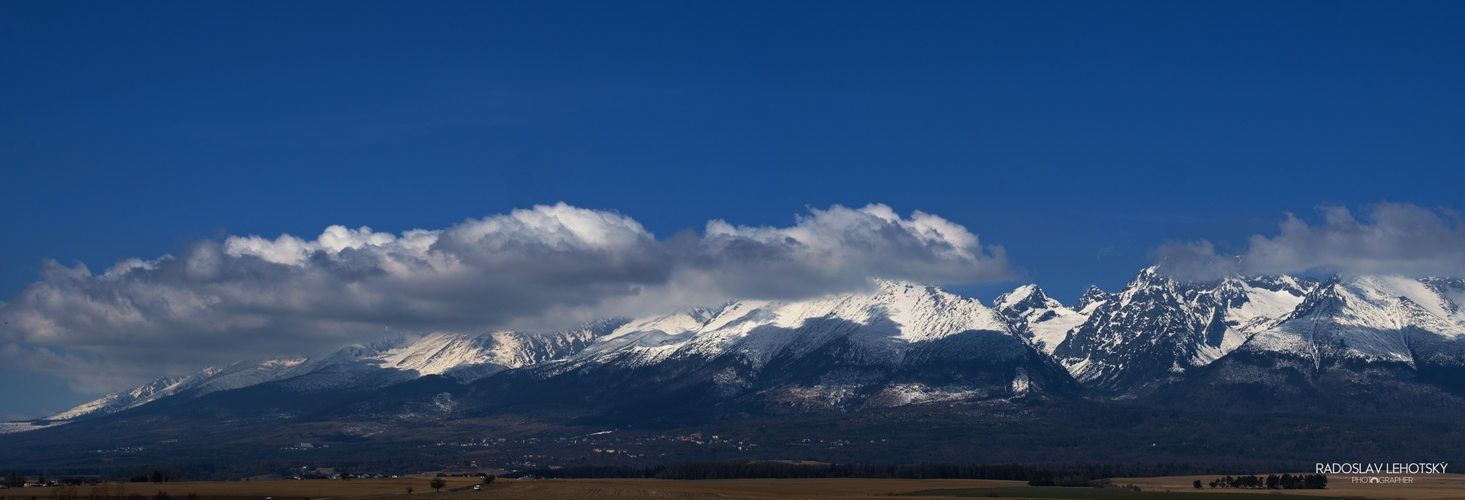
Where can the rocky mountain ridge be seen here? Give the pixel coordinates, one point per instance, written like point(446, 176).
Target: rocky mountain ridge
point(904, 343)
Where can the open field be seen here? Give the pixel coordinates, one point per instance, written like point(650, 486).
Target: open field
point(1442, 486)
point(575, 489)
point(280, 490)
point(1057, 492)
point(1425, 486)
point(1450, 486)
point(544, 489)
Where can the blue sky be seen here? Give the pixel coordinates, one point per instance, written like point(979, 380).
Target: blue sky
point(1080, 137)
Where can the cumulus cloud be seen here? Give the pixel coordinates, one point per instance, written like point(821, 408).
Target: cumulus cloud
point(250, 296)
point(839, 249)
point(1392, 238)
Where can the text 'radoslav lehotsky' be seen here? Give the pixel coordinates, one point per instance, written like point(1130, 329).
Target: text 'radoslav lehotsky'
point(1382, 468)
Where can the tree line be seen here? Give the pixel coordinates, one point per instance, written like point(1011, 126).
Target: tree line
point(1271, 482)
point(1065, 475)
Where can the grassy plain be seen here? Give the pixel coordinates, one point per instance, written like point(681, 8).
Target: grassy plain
point(1450, 486)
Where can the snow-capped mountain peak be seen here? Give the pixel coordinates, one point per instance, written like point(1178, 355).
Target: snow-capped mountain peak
point(1092, 298)
point(1024, 298)
point(1045, 322)
point(757, 331)
point(906, 343)
point(1157, 327)
point(1373, 319)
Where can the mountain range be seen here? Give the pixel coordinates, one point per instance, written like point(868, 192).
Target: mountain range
point(1376, 344)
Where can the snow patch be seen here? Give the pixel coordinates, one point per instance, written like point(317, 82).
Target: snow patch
point(912, 394)
point(13, 427)
point(1020, 383)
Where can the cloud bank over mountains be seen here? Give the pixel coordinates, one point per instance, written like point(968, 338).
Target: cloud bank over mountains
point(556, 266)
point(541, 267)
point(1392, 238)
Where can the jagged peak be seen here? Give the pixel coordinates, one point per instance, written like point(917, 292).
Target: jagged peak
point(1024, 298)
point(1149, 277)
point(1214, 318)
point(1325, 292)
point(904, 287)
point(1092, 296)
point(884, 283)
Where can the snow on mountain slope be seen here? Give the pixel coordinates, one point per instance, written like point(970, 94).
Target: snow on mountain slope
point(122, 400)
point(463, 356)
point(437, 353)
point(208, 380)
point(899, 343)
point(903, 342)
point(1361, 345)
point(1092, 299)
point(243, 374)
point(883, 327)
point(890, 318)
point(34, 425)
point(1043, 321)
point(1372, 319)
point(470, 357)
point(212, 379)
point(1452, 289)
point(1157, 327)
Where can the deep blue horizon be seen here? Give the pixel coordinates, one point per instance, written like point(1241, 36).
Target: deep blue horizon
point(1079, 137)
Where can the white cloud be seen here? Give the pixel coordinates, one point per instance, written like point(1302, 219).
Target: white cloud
point(1393, 238)
point(841, 248)
point(251, 296)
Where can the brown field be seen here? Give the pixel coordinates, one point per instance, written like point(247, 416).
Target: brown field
point(280, 490)
point(1451, 486)
point(1425, 486)
point(545, 489)
point(724, 488)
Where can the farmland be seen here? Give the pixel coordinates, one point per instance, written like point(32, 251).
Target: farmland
point(1158, 488)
